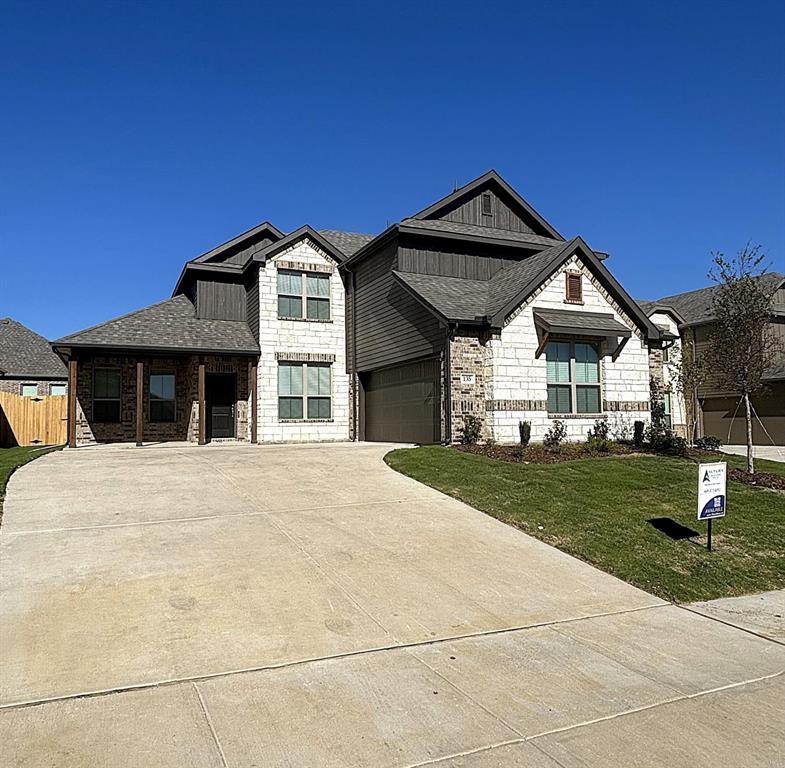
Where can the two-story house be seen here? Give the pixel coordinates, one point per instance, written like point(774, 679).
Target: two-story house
point(475, 306)
point(689, 316)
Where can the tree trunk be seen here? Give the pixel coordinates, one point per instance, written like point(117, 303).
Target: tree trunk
point(748, 415)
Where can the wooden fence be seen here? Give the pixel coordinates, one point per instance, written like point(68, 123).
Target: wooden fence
point(33, 420)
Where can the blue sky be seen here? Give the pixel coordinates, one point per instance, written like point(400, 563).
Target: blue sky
point(135, 136)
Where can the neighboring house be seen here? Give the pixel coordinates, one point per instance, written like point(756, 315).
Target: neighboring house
point(475, 306)
point(689, 317)
point(28, 366)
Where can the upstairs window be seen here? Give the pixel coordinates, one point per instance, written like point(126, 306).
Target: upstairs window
point(487, 204)
point(304, 391)
point(574, 287)
point(573, 377)
point(28, 390)
point(162, 398)
point(106, 395)
point(57, 389)
point(308, 290)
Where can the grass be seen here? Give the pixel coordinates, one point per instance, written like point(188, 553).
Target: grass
point(600, 509)
point(13, 458)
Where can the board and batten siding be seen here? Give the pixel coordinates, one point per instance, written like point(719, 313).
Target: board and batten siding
point(220, 301)
point(252, 302)
point(391, 326)
point(450, 262)
point(502, 216)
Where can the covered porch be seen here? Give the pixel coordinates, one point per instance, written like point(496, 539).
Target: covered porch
point(161, 375)
point(122, 398)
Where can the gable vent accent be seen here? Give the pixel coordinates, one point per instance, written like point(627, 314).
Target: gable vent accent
point(574, 287)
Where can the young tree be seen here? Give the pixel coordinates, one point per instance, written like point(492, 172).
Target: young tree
point(741, 345)
point(689, 370)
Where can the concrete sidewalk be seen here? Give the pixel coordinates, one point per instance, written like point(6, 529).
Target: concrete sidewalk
point(306, 605)
point(769, 452)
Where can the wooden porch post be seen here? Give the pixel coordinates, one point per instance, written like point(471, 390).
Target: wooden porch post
point(252, 385)
point(139, 402)
point(72, 402)
point(202, 409)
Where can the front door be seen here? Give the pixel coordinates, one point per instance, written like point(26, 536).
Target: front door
point(221, 397)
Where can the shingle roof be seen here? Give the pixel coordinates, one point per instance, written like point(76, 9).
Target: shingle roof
point(438, 225)
point(25, 353)
point(459, 299)
point(170, 325)
point(696, 306)
point(347, 242)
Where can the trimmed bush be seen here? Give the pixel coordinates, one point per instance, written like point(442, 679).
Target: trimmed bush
point(708, 443)
point(638, 429)
point(555, 435)
point(472, 430)
point(525, 432)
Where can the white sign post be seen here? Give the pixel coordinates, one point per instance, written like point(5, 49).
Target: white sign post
point(711, 493)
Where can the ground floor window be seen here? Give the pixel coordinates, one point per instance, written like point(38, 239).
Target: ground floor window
point(573, 377)
point(304, 390)
point(28, 390)
point(666, 402)
point(106, 395)
point(162, 399)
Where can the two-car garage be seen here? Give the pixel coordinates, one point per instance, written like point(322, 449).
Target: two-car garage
point(401, 404)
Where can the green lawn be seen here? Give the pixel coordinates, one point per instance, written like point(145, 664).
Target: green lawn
point(598, 510)
point(11, 459)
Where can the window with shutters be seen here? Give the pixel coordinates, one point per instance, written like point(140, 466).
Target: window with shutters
point(303, 295)
point(573, 377)
point(573, 287)
point(304, 391)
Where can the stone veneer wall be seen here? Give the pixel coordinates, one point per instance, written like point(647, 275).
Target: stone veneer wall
point(186, 424)
point(515, 379)
point(314, 340)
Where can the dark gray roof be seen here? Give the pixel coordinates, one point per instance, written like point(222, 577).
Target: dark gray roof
point(570, 321)
point(475, 230)
point(169, 325)
point(454, 298)
point(348, 242)
point(695, 306)
point(458, 299)
point(25, 353)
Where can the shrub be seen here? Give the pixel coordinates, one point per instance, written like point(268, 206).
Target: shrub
point(555, 435)
point(637, 433)
point(525, 432)
point(600, 430)
point(599, 444)
point(670, 444)
point(619, 428)
point(708, 443)
point(472, 430)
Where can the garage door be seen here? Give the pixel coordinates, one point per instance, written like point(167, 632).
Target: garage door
point(718, 418)
point(402, 403)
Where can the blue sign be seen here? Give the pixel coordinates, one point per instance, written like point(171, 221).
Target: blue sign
point(714, 507)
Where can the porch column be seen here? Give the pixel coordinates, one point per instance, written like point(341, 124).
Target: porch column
point(202, 408)
point(139, 402)
point(72, 402)
point(252, 385)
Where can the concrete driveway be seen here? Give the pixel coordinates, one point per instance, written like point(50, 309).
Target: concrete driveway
point(770, 452)
point(307, 606)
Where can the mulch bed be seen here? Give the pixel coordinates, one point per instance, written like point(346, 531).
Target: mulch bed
point(761, 479)
point(537, 454)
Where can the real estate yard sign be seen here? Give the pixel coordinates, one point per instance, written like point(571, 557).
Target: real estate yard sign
point(711, 492)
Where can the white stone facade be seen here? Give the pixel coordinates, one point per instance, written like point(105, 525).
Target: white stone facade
point(301, 340)
point(670, 370)
point(516, 375)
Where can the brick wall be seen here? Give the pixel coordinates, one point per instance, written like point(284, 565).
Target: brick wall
point(14, 386)
point(467, 380)
point(186, 423)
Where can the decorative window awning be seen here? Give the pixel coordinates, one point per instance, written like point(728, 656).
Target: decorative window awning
point(570, 323)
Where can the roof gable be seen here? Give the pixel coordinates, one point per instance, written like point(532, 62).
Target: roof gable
point(25, 353)
point(489, 201)
point(239, 249)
